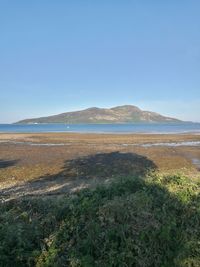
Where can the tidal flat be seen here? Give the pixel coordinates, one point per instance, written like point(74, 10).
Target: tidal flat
point(59, 163)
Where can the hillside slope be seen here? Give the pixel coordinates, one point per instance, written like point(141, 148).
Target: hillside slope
point(120, 114)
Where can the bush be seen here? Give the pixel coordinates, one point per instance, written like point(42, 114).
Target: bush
point(131, 222)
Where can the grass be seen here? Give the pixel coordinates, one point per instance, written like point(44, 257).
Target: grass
point(131, 222)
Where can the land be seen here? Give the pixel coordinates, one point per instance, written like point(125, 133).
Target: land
point(70, 199)
point(120, 114)
point(55, 163)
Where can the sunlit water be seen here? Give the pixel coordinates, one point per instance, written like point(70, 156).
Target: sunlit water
point(162, 128)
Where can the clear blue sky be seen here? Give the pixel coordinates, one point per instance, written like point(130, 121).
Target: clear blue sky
point(62, 55)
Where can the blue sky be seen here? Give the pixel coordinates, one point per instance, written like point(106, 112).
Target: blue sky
point(58, 56)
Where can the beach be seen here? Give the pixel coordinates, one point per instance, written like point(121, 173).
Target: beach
point(59, 163)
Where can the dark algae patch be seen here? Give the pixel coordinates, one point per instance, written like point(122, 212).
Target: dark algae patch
point(152, 220)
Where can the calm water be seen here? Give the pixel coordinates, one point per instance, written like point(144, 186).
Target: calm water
point(102, 128)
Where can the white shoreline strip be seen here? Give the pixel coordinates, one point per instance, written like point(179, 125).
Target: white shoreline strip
point(168, 144)
point(33, 144)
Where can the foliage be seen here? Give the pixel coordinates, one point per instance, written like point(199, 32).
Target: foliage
point(132, 222)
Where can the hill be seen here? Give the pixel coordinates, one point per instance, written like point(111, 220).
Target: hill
point(120, 114)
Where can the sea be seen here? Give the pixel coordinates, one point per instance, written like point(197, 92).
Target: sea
point(153, 128)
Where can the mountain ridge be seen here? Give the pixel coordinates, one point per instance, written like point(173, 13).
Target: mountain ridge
point(96, 115)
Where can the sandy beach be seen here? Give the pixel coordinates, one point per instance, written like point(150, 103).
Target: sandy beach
point(57, 163)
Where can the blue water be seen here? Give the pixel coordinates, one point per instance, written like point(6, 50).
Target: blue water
point(102, 128)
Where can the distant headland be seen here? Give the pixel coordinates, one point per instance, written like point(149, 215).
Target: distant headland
point(94, 115)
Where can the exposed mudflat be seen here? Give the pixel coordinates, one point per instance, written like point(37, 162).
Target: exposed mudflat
point(58, 163)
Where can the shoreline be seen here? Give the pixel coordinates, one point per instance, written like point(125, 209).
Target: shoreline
point(105, 133)
point(154, 136)
point(66, 162)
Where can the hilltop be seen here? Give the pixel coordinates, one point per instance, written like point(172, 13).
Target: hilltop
point(119, 114)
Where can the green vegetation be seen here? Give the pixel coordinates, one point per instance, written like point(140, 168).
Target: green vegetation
point(131, 222)
point(121, 114)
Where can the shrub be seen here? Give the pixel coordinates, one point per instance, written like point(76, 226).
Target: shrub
point(132, 222)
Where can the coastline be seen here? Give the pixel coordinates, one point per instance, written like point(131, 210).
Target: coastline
point(33, 163)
